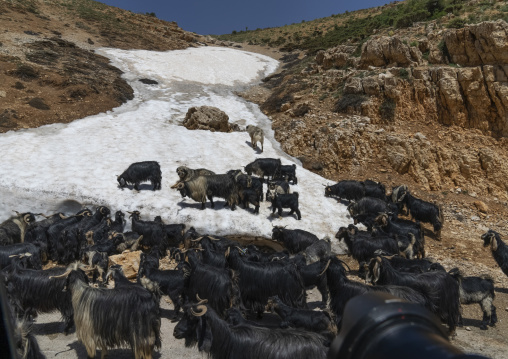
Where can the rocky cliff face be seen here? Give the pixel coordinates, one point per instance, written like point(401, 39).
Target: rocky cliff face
point(433, 110)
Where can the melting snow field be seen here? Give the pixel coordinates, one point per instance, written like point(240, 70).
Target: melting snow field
point(62, 167)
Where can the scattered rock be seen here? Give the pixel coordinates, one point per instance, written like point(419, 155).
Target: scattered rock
point(481, 206)
point(38, 103)
point(207, 118)
point(129, 262)
point(148, 81)
point(90, 41)
point(286, 106)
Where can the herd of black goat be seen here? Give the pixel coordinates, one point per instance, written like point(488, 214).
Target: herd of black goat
point(217, 283)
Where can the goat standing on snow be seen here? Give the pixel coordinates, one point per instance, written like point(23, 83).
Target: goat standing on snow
point(139, 172)
point(256, 135)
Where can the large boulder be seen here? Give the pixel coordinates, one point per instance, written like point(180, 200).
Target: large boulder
point(207, 118)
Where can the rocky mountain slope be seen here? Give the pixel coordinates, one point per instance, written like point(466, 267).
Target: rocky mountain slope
point(49, 71)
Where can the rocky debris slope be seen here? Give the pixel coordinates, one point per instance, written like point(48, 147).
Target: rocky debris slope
point(439, 121)
point(48, 69)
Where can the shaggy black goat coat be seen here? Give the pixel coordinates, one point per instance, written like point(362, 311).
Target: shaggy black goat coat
point(260, 281)
point(342, 290)
point(498, 247)
point(33, 292)
point(222, 341)
point(439, 287)
point(116, 317)
point(139, 172)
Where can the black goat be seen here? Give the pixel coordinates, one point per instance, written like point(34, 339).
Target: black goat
point(153, 232)
point(280, 187)
point(26, 346)
point(38, 231)
point(342, 290)
point(350, 190)
point(234, 316)
point(119, 223)
point(498, 247)
point(108, 318)
point(260, 281)
point(262, 167)
point(171, 282)
point(412, 265)
point(312, 320)
point(375, 189)
point(370, 206)
point(247, 196)
point(30, 252)
point(202, 326)
point(139, 172)
point(295, 240)
point(363, 245)
point(54, 245)
point(212, 254)
point(218, 284)
point(13, 230)
point(34, 291)
point(288, 173)
point(422, 211)
point(477, 290)
point(318, 250)
point(289, 200)
point(313, 275)
point(73, 238)
point(402, 227)
point(439, 287)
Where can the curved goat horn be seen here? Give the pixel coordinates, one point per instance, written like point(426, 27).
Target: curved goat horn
point(202, 310)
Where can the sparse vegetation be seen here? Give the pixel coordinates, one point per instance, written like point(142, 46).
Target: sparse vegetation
point(347, 101)
point(387, 110)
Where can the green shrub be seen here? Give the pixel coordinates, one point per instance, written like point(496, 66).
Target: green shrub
point(444, 50)
point(349, 100)
point(456, 23)
point(387, 110)
point(404, 74)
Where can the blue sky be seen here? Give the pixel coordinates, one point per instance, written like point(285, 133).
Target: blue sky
point(223, 16)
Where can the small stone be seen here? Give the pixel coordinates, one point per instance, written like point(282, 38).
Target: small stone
point(468, 329)
point(481, 206)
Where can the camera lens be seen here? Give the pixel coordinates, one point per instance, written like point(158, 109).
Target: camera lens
point(381, 326)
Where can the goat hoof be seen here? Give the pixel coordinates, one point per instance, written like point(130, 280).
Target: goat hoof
point(483, 327)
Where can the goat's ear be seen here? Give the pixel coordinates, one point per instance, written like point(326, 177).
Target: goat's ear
point(204, 335)
point(493, 243)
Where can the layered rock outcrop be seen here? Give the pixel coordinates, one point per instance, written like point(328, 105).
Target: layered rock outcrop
point(461, 83)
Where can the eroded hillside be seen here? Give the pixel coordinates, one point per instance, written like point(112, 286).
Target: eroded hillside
point(49, 71)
